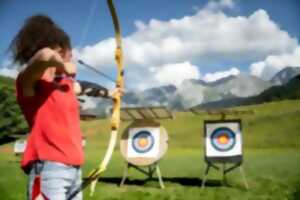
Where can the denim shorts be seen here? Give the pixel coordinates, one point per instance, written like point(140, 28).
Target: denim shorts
point(58, 180)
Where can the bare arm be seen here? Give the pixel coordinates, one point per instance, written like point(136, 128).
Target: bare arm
point(37, 66)
point(95, 90)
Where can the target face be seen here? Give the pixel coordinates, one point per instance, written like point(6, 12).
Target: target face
point(143, 142)
point(222, 139)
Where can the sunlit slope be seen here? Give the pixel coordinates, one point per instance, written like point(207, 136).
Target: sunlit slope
point(273, 125)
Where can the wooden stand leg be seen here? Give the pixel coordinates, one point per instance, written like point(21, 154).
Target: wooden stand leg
point(151, 169)
point(125, 174)
point(224, 174)
point(150, 172)
point(244, 177)
point(205, 175)
point(162, 186)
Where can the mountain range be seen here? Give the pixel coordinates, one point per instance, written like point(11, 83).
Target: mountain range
point(290, 90)
point(228, 91)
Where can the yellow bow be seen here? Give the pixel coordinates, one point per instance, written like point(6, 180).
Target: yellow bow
point(115, 118)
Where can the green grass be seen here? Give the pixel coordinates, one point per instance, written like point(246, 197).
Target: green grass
point(271, 154)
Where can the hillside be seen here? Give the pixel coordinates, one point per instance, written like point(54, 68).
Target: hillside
point(186, 129)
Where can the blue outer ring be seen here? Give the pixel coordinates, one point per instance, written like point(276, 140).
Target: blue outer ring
point(223, 130)
point(143, 134)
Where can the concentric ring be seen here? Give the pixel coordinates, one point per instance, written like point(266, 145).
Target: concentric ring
point(143, 142)
point(223, 139)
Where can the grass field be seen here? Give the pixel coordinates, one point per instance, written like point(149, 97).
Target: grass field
point(271, 154)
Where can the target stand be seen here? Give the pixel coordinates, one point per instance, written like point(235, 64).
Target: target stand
point(145, 141)
point(19, 147)
point(223, 143)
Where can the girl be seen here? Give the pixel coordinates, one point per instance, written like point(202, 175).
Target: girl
point(46, 95)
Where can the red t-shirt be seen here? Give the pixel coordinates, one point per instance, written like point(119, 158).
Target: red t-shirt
point(53, 116)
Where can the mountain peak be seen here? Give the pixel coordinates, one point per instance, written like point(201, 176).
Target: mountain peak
point(210, 84)
point(285, 75)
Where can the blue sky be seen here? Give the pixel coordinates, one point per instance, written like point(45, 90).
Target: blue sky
point(89, 25)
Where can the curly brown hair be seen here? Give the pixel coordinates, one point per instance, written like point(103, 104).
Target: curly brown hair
point(39, 31)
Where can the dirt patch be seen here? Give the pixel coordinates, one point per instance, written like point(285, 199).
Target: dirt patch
point(6, 149)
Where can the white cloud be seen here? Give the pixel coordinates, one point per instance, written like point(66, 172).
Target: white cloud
point(12, 73)
point(89, 102)
point(217, 5)
point(9, 68)
point(175, 73)
point(205, 38)
point(267, 68)
point(210, 77)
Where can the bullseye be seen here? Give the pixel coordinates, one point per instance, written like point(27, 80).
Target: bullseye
point(143, 142)
point(223, 139)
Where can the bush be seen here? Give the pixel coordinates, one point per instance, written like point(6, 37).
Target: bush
point(11, 118)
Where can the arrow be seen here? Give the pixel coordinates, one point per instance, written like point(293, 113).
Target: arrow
point(96, 71)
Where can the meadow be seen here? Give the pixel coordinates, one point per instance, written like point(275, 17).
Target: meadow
point(271, 160)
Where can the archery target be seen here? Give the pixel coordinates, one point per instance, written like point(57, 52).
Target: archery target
point(143, 142)
point(223, 139)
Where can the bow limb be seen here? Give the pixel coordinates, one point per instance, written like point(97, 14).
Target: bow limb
point(115, 118)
